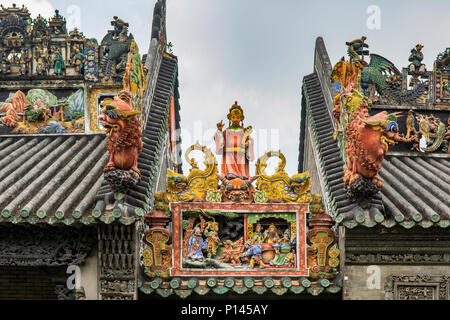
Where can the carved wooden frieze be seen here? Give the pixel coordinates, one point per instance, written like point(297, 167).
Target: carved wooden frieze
point(45, 246)
point(396, 258)
point(417, 287)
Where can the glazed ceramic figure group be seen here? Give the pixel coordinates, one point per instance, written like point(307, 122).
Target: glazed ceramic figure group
point(365, 139)
point(44, 47)
point(235, 145)
point(267, 248)
point(283, 249)
point(40, 111)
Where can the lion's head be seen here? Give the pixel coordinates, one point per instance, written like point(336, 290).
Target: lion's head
point(116, 115)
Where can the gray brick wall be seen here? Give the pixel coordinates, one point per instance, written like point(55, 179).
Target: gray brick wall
point(355, 285)
point(25, 283)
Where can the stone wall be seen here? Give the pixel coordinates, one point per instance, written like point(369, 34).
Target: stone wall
point(360, 282)
point(89, 276)
point(400, 264)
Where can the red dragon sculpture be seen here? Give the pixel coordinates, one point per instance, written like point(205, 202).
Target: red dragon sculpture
point(125, 138)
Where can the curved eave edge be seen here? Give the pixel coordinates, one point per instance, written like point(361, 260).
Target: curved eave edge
point(164, 289)
point(117, 216)
point(426, 224)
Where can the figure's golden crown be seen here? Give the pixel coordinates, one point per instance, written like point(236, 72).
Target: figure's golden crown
point(236, 109)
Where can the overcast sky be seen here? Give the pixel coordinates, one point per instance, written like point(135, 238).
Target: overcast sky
point(258, 51)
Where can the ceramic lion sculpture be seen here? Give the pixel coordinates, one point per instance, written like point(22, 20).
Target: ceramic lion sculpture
point(125, 138)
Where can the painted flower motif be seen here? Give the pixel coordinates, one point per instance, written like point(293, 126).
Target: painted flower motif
point(147, 253)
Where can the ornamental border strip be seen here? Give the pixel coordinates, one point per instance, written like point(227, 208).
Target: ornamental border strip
point(90, 220)
point(185, 287)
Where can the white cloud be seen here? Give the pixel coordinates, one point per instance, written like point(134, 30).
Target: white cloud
point(35, 7)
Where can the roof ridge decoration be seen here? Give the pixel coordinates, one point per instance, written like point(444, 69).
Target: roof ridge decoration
point(120, 119)
point(364, 139)
point(57, 70)
point(224, 229)
point(412, 88)
point(114, 50)
point(381, 75)
point(19, 32)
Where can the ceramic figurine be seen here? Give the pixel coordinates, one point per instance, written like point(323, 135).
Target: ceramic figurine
point(258, 235)
point(271, 235)
point(196, 245)
point(235, 144)
point(212, 238)
point(283, 251)
point(254, 253)
point(124, 143)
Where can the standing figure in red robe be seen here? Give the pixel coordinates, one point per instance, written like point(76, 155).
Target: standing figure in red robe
point(235, 145)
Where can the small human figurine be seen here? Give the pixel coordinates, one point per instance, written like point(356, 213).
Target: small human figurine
point(3, 63)
point(316, 205)
point(311, 256)
point(427, 127)
point(212, 238)
point(416, 57)
point(196, 245)
point(13, 57)
point(254, 252)
point(79, 59)
point(410, 123)
point(257, 234)
point(24, 59)
point(283, 251)
point(120, 27)
point(41, 62)
point(271, 235)
point(235, 145)
point(58, 61)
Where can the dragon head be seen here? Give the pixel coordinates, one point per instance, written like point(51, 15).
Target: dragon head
point(300, 183)
point(176, 182)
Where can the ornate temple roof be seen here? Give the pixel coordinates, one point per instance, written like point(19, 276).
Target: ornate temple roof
point(50, 179)
point(416, 185)
point(58, 178)
point(139, 197)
